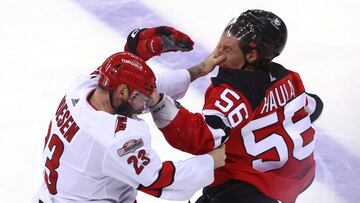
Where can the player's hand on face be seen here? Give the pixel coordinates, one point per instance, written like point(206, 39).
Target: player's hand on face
point(207, 65)
point(214, 59)
point(219, 156)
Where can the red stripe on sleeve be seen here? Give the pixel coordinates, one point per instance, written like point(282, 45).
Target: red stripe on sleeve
point(165, 178)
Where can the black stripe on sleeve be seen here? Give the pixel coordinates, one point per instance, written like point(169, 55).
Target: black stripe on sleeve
point(217, 123)
point(318, 109)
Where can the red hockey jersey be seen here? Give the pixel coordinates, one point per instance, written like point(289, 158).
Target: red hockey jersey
point(265, 118)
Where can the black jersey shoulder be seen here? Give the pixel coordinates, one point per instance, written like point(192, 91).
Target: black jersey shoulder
point(252, 84)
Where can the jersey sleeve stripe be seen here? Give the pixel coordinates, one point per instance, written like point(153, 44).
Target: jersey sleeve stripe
point(219, 130)
point(217, 121)
point(211, 112)
point(165, 178)
point(315, 106)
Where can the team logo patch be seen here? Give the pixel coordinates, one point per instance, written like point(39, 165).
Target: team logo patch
point(130, 147)
point(74, 101)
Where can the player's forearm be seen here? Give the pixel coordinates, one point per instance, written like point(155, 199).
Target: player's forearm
point(182, 129)
point(189, 132)
point(197, 71)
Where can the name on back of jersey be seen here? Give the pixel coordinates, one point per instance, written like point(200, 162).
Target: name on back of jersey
point(64, 120)
point(278, 96)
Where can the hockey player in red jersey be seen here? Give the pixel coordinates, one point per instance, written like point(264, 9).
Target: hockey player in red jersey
point(98, 150)
point(259, 108)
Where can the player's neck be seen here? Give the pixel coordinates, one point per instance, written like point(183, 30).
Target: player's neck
point(99, 100)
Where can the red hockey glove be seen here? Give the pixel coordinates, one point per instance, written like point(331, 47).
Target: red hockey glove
point(149, 42)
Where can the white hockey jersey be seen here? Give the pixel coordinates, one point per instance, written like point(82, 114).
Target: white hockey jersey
point(91, 155)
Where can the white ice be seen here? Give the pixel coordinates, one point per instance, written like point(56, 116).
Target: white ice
point(45, 43)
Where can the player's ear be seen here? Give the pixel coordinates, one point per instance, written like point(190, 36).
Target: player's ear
point(252, 56)
point(122, 92)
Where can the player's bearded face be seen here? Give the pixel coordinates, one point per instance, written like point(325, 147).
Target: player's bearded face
point(135, 104)
point(124, 108)
point(139, 102)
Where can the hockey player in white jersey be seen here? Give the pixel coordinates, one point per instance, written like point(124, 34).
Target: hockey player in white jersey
point(96, 150)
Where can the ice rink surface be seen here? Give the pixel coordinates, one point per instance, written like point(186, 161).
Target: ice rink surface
point(45, 43)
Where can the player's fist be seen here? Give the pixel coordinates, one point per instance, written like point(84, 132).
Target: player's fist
point(219, 156)
point(174, 40)
point(149, 42)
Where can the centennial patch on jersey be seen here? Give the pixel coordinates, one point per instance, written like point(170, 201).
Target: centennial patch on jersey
point(130, 147)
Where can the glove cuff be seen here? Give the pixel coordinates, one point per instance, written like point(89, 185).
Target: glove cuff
point(164, 111)
point(132, 40)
